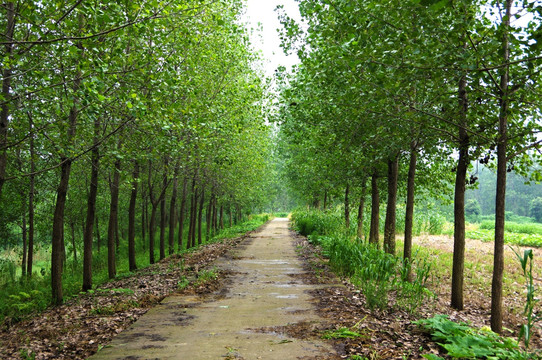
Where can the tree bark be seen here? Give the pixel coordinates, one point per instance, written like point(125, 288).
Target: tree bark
point(347, 206)
point(325, 200)
point(113, 221)
point(98, 235)
point(200, 214)
point(72, 226)
point(500, 203)
point(91, 211)
point(131, 219)
point(208, 217)
point(391, 208)
point(23, 228)
point(152, 228)
point(172, 217)
point(221, 217)
point(31, 192)
point(163, 225)
point(181, 216)
point(458, 266)
point(409, 212)
point(361, 209)
point(144, 222)
point(375, 212)
point(6, 88)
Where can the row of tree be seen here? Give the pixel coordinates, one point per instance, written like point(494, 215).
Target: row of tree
point(121, 110)
point(386, 86)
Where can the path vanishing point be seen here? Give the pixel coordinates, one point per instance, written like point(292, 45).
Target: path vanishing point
point(264, 292)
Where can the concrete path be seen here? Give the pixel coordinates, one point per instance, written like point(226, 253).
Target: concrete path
point(265, 292)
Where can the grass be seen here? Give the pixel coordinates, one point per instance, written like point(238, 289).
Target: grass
point(22, 297)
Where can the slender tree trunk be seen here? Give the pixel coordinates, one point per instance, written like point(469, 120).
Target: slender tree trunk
point(347, 206)
point(61, 194)
point(91, 211)
point(181, 216)
point(6, 89)
point(163, 225)
point(23, 228)
point(221, 217)
point(200, 214)
point(325, 200)
point(72, 226)
point(500, 203)
point(113, 222)
point(214, 216)
point(409, 213)
point(98, 235)
point(172, 217)
point(231, 215)
point(152, 228)
point(208, 219)
point(144, 219)
point(58, 231)
point(458, 266)
point(131, 219)
point(375, 212)
point(391, 208)
point(31, 204)
point(361, 209)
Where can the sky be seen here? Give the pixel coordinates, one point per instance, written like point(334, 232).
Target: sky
point(267, 40)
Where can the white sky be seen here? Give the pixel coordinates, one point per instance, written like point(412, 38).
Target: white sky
point(267, 40)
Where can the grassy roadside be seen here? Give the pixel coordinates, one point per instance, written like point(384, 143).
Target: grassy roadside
point(23, 299)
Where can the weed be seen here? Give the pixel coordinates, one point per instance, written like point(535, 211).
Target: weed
point(206, 276)
point(532, 318)
point(462, 341)
point(342, 333)
point(183, 283)
point(26, 355)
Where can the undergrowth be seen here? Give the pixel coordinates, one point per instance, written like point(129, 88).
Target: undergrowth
point(376, 273)
point(464, 342)
point(26, 296)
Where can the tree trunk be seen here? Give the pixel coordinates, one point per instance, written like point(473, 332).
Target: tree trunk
point(113, 222)
point(409, 212)
point(391, 208)
point(347, 206)
point(375, 212)
point(163, 226)
point(231, 215)
point(221, 217)
point(23, 228)
point(214, 216)
point(131, 219)
point(72, 226)
point(152, 228)
point(144, 218)
point(172, 217)
point(200, 214)
point(458, 266)
point(325, 200)
point(208, 219)
point(91, 211)
point(361, 209)
point(31, 204)
point(181, 216)
point(6, 89)
point(58, 231)
point(98, 235)
point(500, 203)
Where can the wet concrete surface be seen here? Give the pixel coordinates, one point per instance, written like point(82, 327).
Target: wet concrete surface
point(264, 291)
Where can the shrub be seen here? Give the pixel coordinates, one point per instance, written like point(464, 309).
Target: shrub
point(536, 208)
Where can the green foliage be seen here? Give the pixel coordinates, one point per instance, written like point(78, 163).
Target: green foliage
point(513, 227)
point(183, 283)
point(536, 208)
point(534, 240)
point(462, 341)
point(472, 207)
point(205, 276)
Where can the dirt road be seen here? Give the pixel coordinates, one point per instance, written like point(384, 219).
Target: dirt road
point(239, 322)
